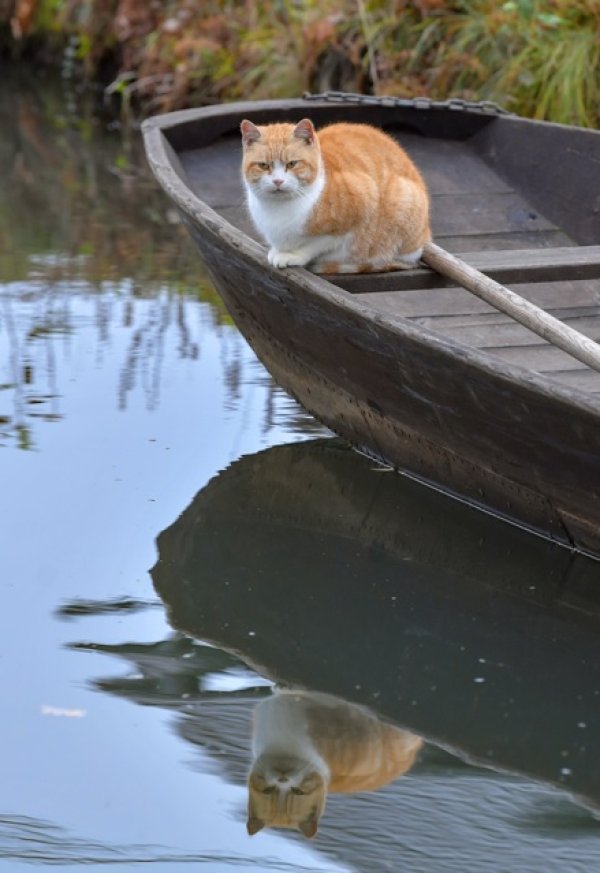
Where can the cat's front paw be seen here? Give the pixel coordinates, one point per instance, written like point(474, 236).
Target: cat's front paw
point(286, 259)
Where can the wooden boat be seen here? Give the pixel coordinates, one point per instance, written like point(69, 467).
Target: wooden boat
point(409, 366)
point(472, 633)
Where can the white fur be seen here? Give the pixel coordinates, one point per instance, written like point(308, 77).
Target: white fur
point(281, 216)
point(407, 261)
point(280, 728)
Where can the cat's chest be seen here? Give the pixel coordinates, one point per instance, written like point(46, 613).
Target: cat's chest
point(280, 222)
point(280, 723)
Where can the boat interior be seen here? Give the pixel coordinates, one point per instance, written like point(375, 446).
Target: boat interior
point(497, 217)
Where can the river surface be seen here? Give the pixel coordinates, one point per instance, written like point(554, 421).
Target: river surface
point(183, 546)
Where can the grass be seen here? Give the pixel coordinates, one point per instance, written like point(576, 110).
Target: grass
point(539, 58)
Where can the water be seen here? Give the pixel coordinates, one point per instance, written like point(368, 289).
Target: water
point(175, 539)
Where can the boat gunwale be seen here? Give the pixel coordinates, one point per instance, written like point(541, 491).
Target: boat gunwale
point(156, 139)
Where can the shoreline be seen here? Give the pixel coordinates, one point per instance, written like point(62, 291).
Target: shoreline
point(537, 60)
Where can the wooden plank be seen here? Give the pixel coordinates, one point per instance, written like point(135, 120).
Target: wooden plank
point(525, 265)
point(541, 264)
point(471, 321)
point(508, 333)
point(554, 166)
point(522, 310)
point(544, 358)
point(493, 317)
point(451, 167)
point(484, 212)
point(552, 296)
point(541, 239)
point(582, 379)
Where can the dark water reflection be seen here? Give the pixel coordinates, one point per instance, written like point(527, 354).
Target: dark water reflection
point(350, 582)
point(137, 430)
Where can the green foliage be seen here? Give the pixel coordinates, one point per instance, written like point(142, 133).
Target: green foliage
point(539, 58)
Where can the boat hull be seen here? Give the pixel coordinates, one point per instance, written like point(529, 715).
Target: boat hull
point(503, 437)
point(413, 405)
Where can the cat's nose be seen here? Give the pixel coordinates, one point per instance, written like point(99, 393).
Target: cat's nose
point(278, 182)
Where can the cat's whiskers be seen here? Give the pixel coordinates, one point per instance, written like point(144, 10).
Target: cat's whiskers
point(302, 192)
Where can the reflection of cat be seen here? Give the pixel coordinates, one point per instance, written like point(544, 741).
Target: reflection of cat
point(306, 744)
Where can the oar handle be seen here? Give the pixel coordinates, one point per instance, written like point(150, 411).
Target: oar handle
point(528, 314)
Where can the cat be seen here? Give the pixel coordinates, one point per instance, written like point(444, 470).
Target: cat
point(307, 744)
point(347, 199)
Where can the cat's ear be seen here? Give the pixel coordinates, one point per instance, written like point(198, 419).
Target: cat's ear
point(309, 826)
point(254, 825)
point(305, 131)
point(250, 132)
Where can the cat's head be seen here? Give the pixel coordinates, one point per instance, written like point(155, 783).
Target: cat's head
point(280, 161)
point(285, 792)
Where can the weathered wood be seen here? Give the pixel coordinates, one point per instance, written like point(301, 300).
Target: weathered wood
point(522, 310)
point(541, 239)
point(567, 299)
point(520, 444)
point(545, 358)
point(541, 160)
point(451, 168)
point(485, 212)
point(526, 265)
point(510, 334)
point(580, 379)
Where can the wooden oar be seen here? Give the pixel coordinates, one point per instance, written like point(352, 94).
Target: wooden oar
point(528, 314)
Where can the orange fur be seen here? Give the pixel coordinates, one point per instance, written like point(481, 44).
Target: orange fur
point(307, 745)
point(370, 212)
point(373, 188)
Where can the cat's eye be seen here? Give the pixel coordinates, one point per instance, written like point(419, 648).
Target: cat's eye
point(268, 790)
point(291, 164)
point(262, 165)
point(297, 791)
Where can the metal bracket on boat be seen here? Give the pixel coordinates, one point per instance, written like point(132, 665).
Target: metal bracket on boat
point(456, 103)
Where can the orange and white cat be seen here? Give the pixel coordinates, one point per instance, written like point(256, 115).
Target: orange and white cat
point(306, 744)
point(345, 199)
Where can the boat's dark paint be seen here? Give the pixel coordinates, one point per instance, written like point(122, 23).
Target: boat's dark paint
point(510, 440)
point(329, 575)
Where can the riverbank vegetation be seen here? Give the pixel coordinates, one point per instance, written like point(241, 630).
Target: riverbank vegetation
point(539, 58)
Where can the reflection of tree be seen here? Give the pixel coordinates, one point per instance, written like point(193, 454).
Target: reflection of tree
point(80, 194)
point(31, 366)
point(146, 351)
point(176, 673)
point(17, 381)
point(81, 219)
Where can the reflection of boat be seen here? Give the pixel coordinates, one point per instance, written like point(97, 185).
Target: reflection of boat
point(411, 367)
point(336, 577)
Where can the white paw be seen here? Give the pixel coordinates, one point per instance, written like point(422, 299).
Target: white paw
point(286, 259)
